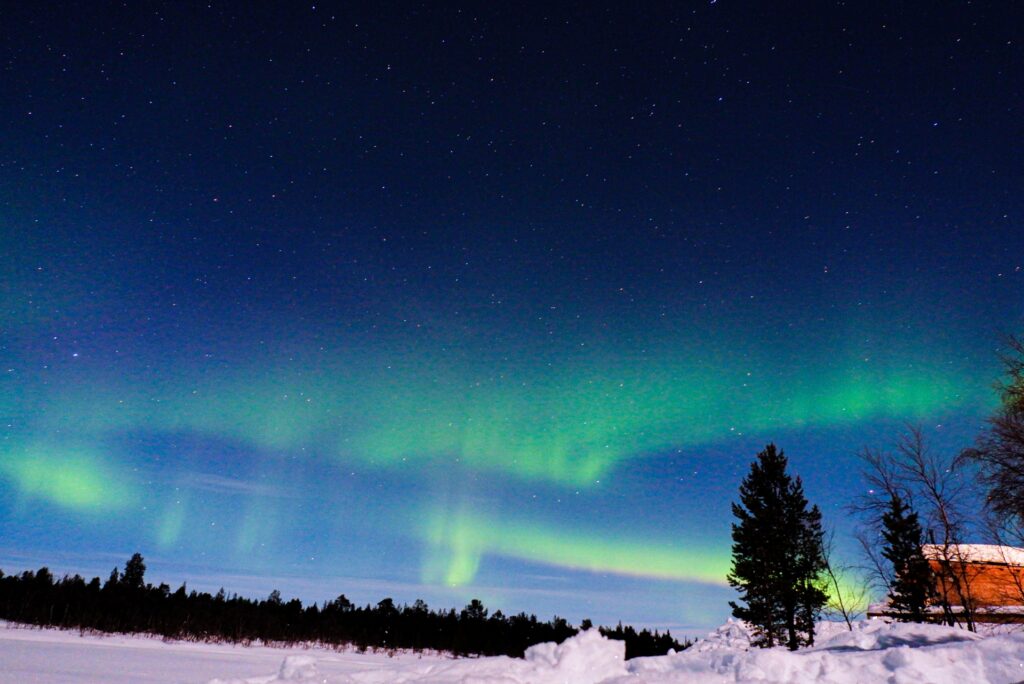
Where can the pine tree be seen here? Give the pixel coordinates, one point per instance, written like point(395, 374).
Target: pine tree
point(474, 610)
point(809, 565)
point(778, 555)
point(134, 572)
point(912, 584)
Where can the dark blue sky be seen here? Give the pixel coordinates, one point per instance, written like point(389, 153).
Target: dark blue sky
point(321, 294)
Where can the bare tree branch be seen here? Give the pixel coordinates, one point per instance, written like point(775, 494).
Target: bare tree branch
point(848, 592)
point(934, 487)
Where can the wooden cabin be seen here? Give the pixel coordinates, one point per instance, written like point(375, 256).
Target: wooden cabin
point(990, 576)
point(990, 579)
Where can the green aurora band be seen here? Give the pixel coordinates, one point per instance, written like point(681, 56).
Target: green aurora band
point(568, 425)
point(457, 543)
point(74, 478)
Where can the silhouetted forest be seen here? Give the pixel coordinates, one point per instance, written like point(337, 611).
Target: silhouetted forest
point(126, 604)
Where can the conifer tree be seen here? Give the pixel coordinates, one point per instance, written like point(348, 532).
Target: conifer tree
point(134, 572)
point(474, 610)
point(912, 584)
point(113, 580)
point(809, 565)
point(778, 555)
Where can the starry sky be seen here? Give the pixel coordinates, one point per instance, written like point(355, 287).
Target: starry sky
point(485, 300)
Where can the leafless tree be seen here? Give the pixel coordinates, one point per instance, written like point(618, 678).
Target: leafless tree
point(848, 590)
point(999, 451)
point(878, 571)
point(943, 492)
point(937, 489)
point(881, 476)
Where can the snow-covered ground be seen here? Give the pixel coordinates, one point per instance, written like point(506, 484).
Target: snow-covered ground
point(873, 652)
point(48, 656)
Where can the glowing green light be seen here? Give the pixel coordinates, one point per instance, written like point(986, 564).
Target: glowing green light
point(457, 543)
point(570, 424)
point(172, 522)
point(72, 478)
point(258, 526)
point(574, 429)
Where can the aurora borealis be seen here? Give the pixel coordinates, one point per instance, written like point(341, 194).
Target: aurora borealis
point(451, 303)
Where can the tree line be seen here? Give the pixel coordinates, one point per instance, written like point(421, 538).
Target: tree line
point(916, 500)
point(125, 603)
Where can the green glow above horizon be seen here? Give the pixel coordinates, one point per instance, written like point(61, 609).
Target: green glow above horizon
point(172, 522)
point(565, 421)
point(570, 425)
point(574, 429)
point(426, 436)
point(73, 478)
point(457, 542)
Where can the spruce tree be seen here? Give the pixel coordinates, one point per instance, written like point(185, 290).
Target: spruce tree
point(912, 584)
point(778, 555)
point(134, 576)
point(809, 565)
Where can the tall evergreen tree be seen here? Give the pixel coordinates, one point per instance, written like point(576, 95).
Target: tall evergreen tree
point(778, 555)
point(913, 584)
point(134, 572)
point(809, 565)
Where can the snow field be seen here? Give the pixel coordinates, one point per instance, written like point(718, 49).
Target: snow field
point(873, 652)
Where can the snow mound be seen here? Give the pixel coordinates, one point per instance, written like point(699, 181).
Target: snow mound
point(297, 668)
point(587, 657)
point(733, 635)
point(874, 651)
point(294, 668)
point(875, 635)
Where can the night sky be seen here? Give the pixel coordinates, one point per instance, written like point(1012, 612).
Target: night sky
point(487, 301)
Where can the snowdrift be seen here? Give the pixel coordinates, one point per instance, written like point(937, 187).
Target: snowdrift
point(873, 652)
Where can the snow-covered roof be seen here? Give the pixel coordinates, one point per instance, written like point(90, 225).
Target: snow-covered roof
point(975, 553)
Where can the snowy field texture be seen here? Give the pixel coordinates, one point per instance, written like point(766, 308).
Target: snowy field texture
point(49, 656)
point(873, 652)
